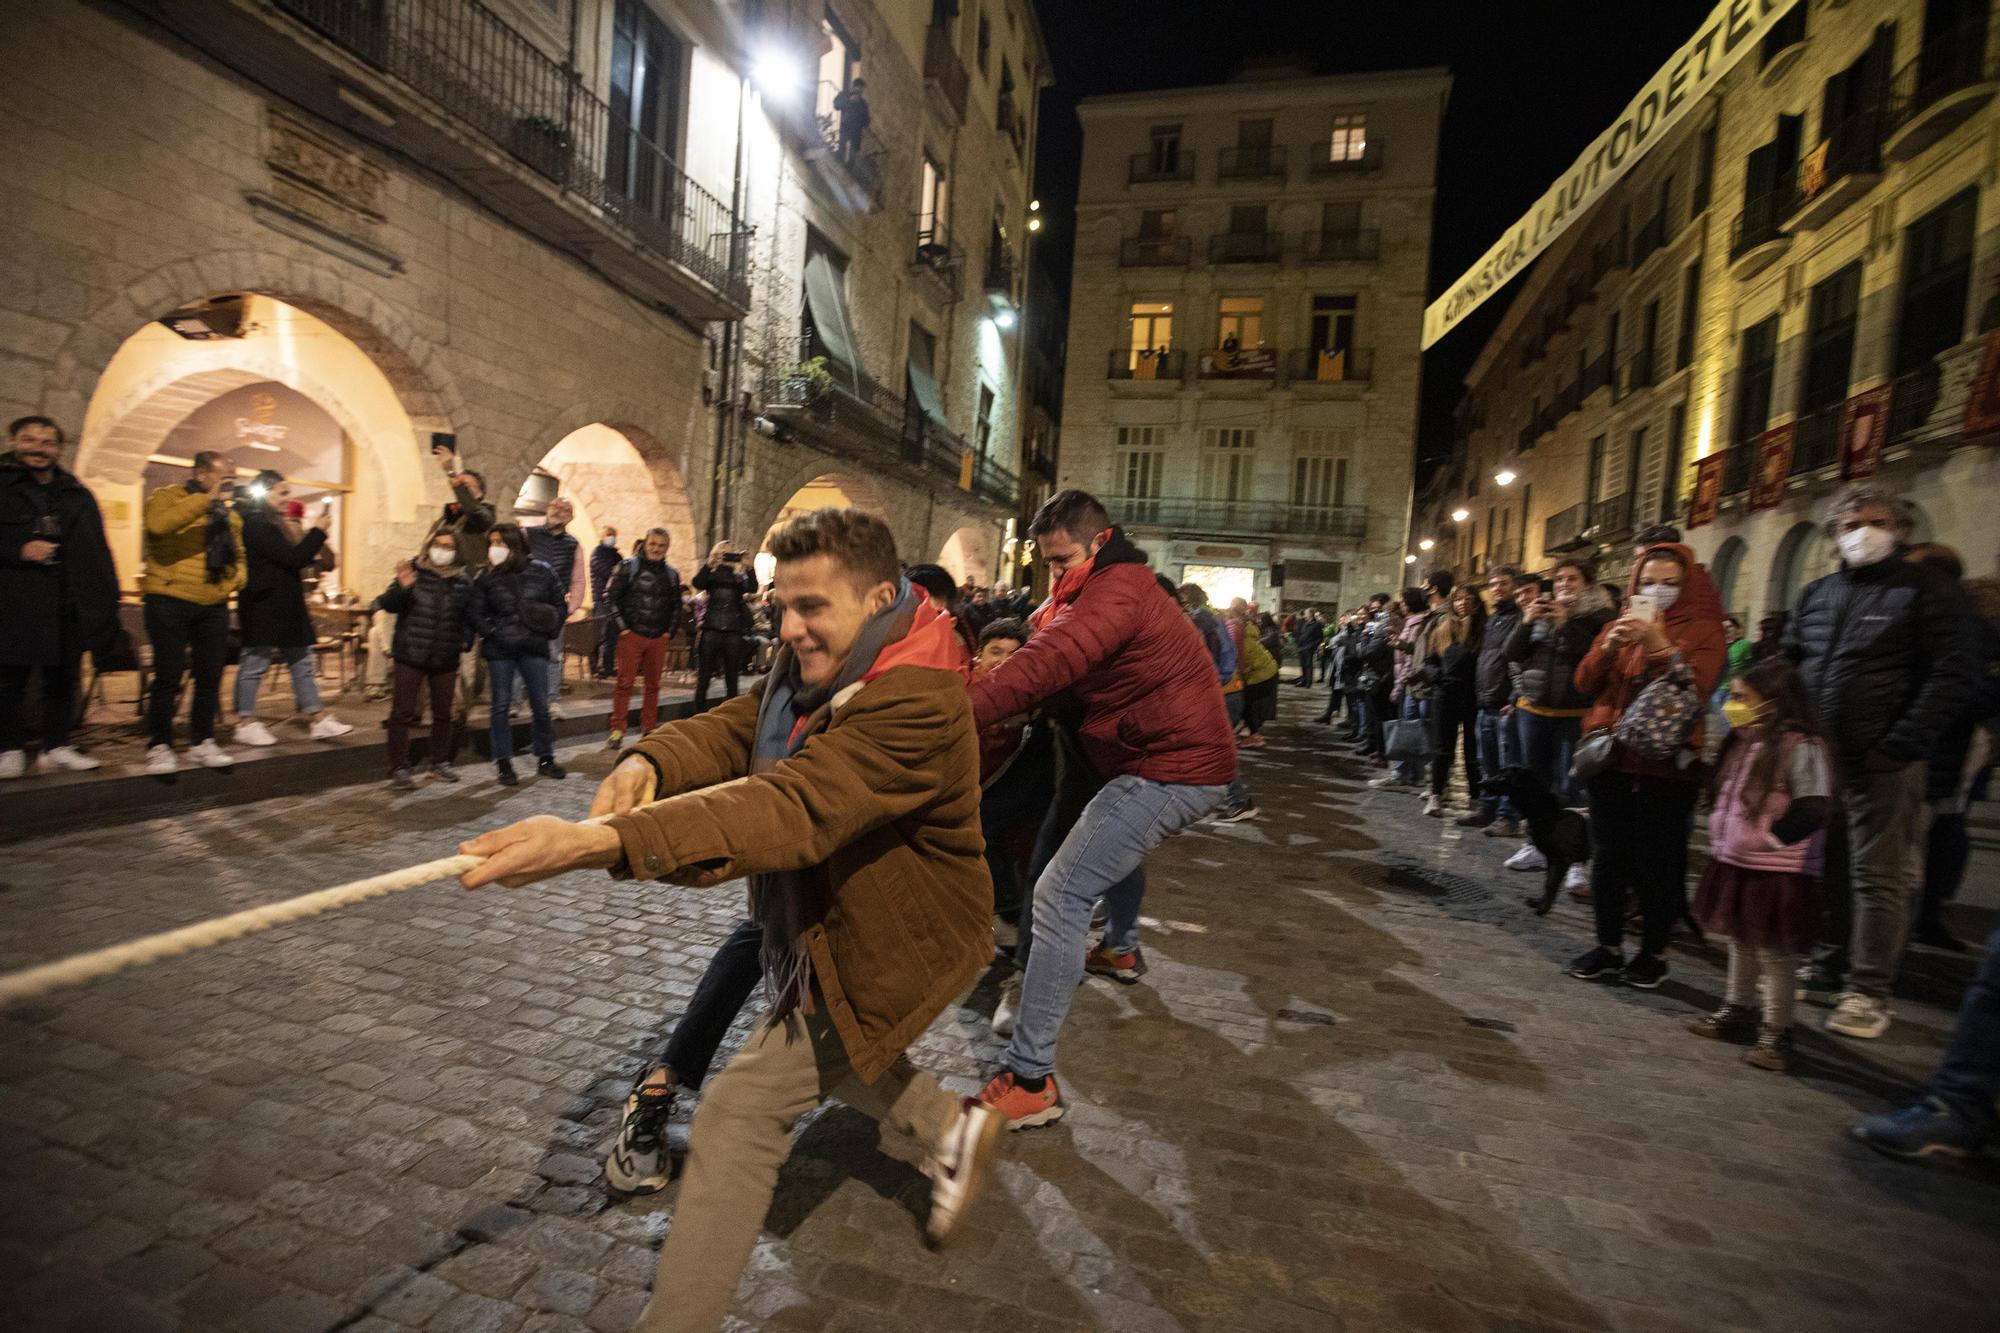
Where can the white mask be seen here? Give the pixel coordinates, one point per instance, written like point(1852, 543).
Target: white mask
point(1866, 546)
point(444, 557)
point(497, 555)
point(612, 542)
point(1664, 595)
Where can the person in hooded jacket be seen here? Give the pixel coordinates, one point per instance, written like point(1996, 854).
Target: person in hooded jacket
point(431, 598)
point(517, 607)
point(1884, 646)
point(1640, 808)
point(271, 613)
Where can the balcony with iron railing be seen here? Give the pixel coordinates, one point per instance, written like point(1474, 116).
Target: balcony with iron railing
point(1161, 168)
point(1955, 73)
point(1154, 252)
point(1599, 373)
point(1000, 274)
point(937, 262)
point(1305, 366)
point(457, 88)
point(1816, 439)
point(945, 76)
point(1841, 168)
point(1254, 364)
point(1245, 247)
point(1248, 163)
point(1162, 365)
point(1639, 370)
point(1240, 517)
point(1341, 247)
point(1564, 529)
point(1739, 464)
point(1782, 46)
point(855, 159)
point(1649, 239)
point(1757, 238)
point(1347, 160)
point(1610, 519)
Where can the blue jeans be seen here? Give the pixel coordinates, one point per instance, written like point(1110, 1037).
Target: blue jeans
point(1546, 744)
point(1968, 1077)
point(1497, 750)
point(533, 673)
point(1412, 770)
point(254, 662)
point(1124, 821)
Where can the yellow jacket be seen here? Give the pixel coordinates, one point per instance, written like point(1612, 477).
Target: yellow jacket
point(177, 548)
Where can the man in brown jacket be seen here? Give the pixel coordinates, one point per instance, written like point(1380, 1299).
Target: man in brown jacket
point(846, 788)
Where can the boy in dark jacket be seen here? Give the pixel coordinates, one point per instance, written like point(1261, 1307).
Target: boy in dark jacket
point(645, 592)
point(431, 599)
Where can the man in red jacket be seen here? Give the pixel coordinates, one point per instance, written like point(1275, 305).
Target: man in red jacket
point(1154, 729)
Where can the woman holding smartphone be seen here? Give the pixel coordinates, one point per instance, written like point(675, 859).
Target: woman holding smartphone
point(1640, 809)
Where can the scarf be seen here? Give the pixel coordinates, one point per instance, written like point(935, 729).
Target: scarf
point(218, 542)
point(779, 900)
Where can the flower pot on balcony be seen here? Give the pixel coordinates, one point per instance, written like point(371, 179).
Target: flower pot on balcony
point(543, 144)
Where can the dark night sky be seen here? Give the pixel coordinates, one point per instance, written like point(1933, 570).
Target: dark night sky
point(1534, 81)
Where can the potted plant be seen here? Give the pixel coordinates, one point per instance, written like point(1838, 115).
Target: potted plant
point(544, 144)
point(808, 383)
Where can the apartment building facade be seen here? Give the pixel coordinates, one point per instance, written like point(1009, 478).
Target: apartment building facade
point(570, 238)
point(1810, 309)
point(1244, 317)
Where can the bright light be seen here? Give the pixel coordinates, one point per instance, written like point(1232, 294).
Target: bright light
point(1460, 515)
point(1425, 544)
point(1034, 205)
point(1409, 560)
point(776, 73)
point(1504, 477)
point(1004, 319)
point(1034, 224)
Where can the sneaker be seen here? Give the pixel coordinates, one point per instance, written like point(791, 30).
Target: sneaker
point(162, 761)
point(1122, 967)
point(1503, 828)
point(549, 768)
point(1434, 806)
point(1597, 963)
point(1646, 971)
point(1773, 1051)
point(210, 755)
point(1528, 858)
point(1386, 780)
point(961, 1166)
point(327, 728)
point(1576, 880)
point(1250, 742)
point(252, 732)
point(1732, 1022)
point(69, 759)
point(639, 1163)
point(616, 740)
point(403, 779)
point(1817, 976)
point(14, 764)
point(557, 711)
point(1236, 814)
point(444, 772)
point(376, 695)
point(1475, 819)
point(1008, 1006)
point(1861, 1016)
point(1928, 1129)
point(1023, 1109)
point(505, 770)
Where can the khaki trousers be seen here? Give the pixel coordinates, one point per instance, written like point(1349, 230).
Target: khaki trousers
point(741, 1135)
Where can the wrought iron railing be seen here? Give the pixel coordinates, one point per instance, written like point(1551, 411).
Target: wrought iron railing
point(475, 66)
point(1330, 365)
point(1364, 244)
point(1816, 440)
point(943, 68)
point(1162, 363)
point(1639, 370)
point(1913, 397)
point(1852, 147)
point(1154, 252)
point(1241, 516)
point(1610, 518)
point(1145, 167)
point(1245, 247)
point(1948, 62)
point(1649, 238)
point(1325, 163)
point(1762, 217)
point(1739, 463)
point(1255, 163)
point(1564, 528)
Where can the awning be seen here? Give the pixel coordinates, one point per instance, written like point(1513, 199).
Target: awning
point(828, 308)
point(924, 393)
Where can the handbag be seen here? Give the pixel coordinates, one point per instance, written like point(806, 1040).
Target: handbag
point(1591, 756)
point(1658, 723)
point(1407, 739)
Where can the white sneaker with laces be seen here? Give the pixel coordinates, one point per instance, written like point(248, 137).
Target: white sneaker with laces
point(1527, 859)
point(1577, 877)
point(13, 764)
point(66, 759)
point(161, 760)
point(640, 1162)
point(327, 728)
point(960, 1167)
point(1386, 780)
point(1860, 1016)
point(250, 732)
point(210, 755)
point(1009, 1006)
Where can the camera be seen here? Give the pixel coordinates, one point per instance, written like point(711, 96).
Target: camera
point(733, 557)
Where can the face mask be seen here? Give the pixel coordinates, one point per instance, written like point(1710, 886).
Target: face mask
point(1866, 546)
point(612, 542)
point(1664, 595)
point(444, 557)
point(1741, 714)
point(497, 555)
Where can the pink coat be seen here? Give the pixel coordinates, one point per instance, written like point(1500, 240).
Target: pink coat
point(1739, 838)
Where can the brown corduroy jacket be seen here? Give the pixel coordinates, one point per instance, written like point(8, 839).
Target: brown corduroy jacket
point(880, 808)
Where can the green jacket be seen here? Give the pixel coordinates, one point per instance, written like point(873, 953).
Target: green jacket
point(177, 548)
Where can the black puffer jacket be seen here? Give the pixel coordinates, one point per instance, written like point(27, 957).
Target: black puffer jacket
point(647, 595)
point(53, 611)
point(1494, 678)
point(1886, 651)
point(728, 589)
point(1547, 655)
point(433, 619)
point(271, 609)
point(517, 611)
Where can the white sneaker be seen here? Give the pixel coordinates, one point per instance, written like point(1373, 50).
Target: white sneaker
point(960, 1167)
point(13, 764)
point(1858, 1016)
point(1008, 1007)
point(1527, 859)
point(210, 755)
point(1577, 878)
point(557, 712)
point(1434, 805)
point(1387, 780)
point(64, 759)
point(327, 728)
point(161, 760)
point(640, 1162)
point(250, 732)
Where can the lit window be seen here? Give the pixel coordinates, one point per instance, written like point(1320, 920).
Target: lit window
point(1350, 137)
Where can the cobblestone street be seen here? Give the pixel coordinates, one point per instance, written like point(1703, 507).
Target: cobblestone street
point(1353, 1092)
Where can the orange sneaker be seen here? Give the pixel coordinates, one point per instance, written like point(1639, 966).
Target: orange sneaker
point(1023, 1109)
point(1122, 967)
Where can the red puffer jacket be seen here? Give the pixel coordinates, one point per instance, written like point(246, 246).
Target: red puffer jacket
point(1151, 703)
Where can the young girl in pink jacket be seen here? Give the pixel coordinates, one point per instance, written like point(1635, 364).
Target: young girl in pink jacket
point(1771, 794)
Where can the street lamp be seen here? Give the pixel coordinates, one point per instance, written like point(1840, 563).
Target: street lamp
point(1034, 224)
point(1409, 560)
point(1004, 318)
point(776, 73)
point(1460, 514)
point(1425, 544)
point(1504, 477)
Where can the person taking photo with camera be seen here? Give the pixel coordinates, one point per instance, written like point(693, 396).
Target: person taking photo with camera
point(725, 622)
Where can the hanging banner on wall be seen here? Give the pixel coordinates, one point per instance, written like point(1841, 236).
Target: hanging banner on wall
point(1707, 491)
point(1732, 28)
point(1774, 466)
point(1864, 425)
point(1982, 409)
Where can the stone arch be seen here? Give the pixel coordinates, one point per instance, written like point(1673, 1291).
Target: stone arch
point(641, 489)
point(971, 552)
point(860, 490)
point(1803, 554)
point(1728, 563)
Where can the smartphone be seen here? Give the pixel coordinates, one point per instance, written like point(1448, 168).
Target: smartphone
point(1642, 607)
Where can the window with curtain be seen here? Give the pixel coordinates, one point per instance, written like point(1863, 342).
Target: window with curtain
point(1349, 141)
point(1319, 469)
point(1228, 462)
point(1137, 466)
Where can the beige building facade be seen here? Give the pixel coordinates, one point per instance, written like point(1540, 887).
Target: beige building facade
point(568, 237)
point(1793, 286)
point(1246, 304)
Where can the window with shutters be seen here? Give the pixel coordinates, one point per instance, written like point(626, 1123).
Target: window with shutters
point(1136, 468)
point(1228, 462)
point(1319, 472)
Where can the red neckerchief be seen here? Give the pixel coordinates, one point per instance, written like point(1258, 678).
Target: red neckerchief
point(1066, 590)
